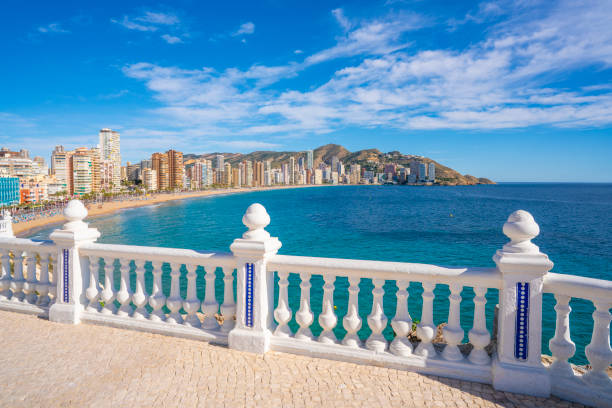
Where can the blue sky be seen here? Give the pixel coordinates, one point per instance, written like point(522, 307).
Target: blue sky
point(511, 90)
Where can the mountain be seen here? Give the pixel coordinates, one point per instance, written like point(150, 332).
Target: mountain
point(371, 159)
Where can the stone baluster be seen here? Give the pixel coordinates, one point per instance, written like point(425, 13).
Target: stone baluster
point(31, 283)
point(562, 346)
point(304, 316)
point(18, 282)
point(479, 335)
point(401, 323)
point(5, 279)
point(598, 351)
point(283, 313)
point(352, 321)
point(426, 330)
point(140, 297)
point(327, 318)
point(377, 319)
point(175, 301)
point(124, 295)
point(93, 290)
point(228, 308)
point(192, 303)
point(453, 332)
point(210, 306)
point(52, 294)
point(157, 300)
point(108, 292)
point(43, 284)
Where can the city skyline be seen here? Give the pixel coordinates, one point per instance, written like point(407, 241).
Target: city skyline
point(505, 90)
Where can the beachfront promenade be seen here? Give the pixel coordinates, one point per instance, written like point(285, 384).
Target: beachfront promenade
point(72, 279)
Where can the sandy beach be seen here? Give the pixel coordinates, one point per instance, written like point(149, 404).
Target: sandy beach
point(24, 229)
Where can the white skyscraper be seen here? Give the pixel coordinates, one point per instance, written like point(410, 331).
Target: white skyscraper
point(220, 162)
point(431, 173)
point(309, 159)
point(110, 151)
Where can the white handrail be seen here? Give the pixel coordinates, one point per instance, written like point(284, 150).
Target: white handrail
point(24, 244)
point(577, 286)
point(467, 276)
point(145, 253)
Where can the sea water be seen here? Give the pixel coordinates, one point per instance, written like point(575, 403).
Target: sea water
point(454, 226)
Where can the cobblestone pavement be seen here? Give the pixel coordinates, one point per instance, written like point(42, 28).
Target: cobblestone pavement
point(48, 364)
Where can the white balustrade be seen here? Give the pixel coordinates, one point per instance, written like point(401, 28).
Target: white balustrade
point(108, 292)
point(5, 278)
point(139, 298)
point(18, 281)
point(93, 290)
point(282, 313)
point(157, 300)
point(352, 321)
point(401, 323)
point(249, 327)
point(124, 295)
point(44, 285)
point(328, 318)
point(453, 332)
point(426, 330)
point(210, 306)
point(377, 319)
point(598, 351)
point(228, 308)
point(562, 346)
point(30, 284)
point(479, 335)
point(175, 301)
point(192, 303)
point(304, 316)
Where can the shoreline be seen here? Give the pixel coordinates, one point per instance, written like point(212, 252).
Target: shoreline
point(25, 229)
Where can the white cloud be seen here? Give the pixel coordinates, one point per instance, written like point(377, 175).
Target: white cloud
point(504, 81)
point(298, 52)
point(341, 19)
point(148, 21)
point(244, 29)
point(52, 28)
point(171, 39)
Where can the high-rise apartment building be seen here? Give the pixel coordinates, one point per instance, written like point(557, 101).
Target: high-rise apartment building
point(258, 177)
point(110, 151)
point(236, 181)
point(292, 170)
point(9, 191)
point(159, 163)
point(431, 172)
point(220, 163)
point(309, 160)
point(176, 169)
point(149, 179)
point(227, 174)
point(82, 171)
point(422, 172)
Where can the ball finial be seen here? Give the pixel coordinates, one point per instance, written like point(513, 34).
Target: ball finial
point(521, 228)
point(75, 212)
point(256, 218)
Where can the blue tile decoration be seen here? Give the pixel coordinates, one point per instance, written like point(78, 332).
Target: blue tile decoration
point(66, 266)
point(521, 341)
point(250, 272)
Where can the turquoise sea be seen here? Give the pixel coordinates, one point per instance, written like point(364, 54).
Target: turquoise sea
point(439, 225)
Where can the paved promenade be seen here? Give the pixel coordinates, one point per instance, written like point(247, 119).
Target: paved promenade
point(48, 364)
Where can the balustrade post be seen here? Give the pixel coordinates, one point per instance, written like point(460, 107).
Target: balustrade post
point(71, 270)
point(254, 288)
point(6, 231)
point(6, 225)
point(518, 367)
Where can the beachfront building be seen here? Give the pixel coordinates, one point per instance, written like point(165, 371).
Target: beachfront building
point(422, 172)
point(60, 167)
point(9, 191)
point(110, 151)
point(176, 169)
point(19, 164)
point(431, 172)
point(355, 174)
point(149, 179)
point(82, 171)
point(32, 191)
point(159, 163)
point(236, 181)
